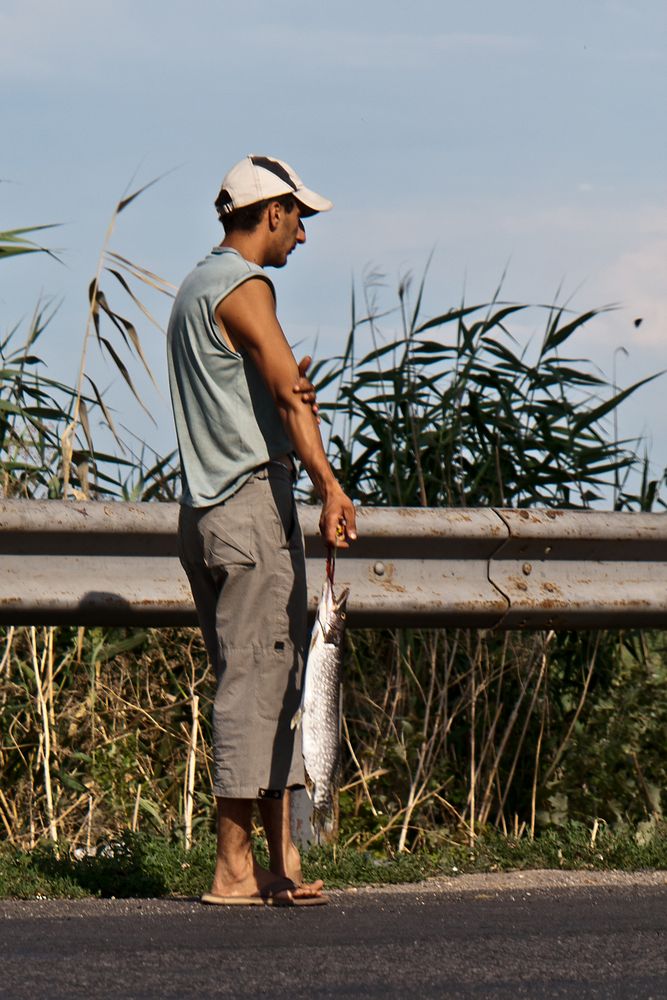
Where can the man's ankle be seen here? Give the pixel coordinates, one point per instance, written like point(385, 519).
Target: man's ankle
point(233, 869)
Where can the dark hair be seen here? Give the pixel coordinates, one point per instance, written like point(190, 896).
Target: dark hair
point(247, 219)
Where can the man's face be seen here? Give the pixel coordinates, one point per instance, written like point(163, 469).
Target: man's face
point(289, 231)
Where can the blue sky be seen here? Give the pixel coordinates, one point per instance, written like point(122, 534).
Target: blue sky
point(524, 136)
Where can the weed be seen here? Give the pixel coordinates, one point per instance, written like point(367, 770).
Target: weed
point(149, 866)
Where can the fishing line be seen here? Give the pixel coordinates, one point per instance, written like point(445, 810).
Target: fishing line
point(331, 563)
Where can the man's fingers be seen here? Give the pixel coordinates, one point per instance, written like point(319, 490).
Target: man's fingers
point(305, 388)
point(338, 528)
point(307, 393)
point(348, 521)
point(328, 530)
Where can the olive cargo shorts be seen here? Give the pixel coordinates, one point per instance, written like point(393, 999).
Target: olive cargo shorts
point(245, 562)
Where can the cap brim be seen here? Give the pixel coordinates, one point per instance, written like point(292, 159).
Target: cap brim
point(311, 203)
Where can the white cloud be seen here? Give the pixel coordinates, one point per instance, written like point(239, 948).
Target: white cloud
point(588, 254)
point(638, 278)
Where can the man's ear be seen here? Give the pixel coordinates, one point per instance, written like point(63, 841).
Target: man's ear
point(274, 212)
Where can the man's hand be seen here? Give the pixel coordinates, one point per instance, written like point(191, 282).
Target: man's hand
point(305, 388)
point(338, 525)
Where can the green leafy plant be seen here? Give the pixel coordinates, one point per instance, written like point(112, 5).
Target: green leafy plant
point(472, 418)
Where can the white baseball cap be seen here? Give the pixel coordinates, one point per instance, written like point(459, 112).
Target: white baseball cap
point(256, 178)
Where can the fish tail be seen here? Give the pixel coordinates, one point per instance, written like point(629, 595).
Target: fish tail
point(323, 824)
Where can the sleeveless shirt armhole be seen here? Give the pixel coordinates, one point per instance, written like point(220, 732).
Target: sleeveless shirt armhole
point(216, 302)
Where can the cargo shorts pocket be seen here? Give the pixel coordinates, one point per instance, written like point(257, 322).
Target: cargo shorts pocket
point(227, 537)
point(276, 677)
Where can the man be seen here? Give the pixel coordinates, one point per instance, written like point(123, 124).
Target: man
point(242, 408)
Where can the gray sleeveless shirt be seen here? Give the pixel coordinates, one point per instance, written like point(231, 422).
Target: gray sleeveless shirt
point(227, 423)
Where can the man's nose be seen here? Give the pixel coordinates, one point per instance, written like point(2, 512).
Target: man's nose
point(301, 233)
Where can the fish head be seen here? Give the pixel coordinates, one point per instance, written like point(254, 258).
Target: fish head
point(336, 618)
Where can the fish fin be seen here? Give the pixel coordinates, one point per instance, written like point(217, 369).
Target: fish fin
point(297, 718)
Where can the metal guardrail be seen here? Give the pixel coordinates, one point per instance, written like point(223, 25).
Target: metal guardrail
point(116, 564)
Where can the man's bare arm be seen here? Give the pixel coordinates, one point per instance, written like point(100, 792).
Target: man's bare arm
point(248, 316)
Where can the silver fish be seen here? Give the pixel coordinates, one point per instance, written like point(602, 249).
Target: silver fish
point(320, 711)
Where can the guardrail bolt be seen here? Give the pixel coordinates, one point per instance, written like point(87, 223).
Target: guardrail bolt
point(527, 569)
point(378, 569)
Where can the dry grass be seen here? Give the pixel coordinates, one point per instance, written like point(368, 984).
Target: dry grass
point(448, 733)
point(100, 732)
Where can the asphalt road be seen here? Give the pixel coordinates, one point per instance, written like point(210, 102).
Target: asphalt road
point(481, 937)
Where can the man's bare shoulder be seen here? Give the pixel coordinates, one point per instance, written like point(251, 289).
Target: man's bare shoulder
point(253, 294)
point(248, 315)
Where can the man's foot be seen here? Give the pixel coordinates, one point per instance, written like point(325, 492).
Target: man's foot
point(247, 881)
point(308, 890)
point(262, 885)
point(263, 888)
point(290, 867)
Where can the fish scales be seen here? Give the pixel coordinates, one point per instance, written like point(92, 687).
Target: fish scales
point(320, 711)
